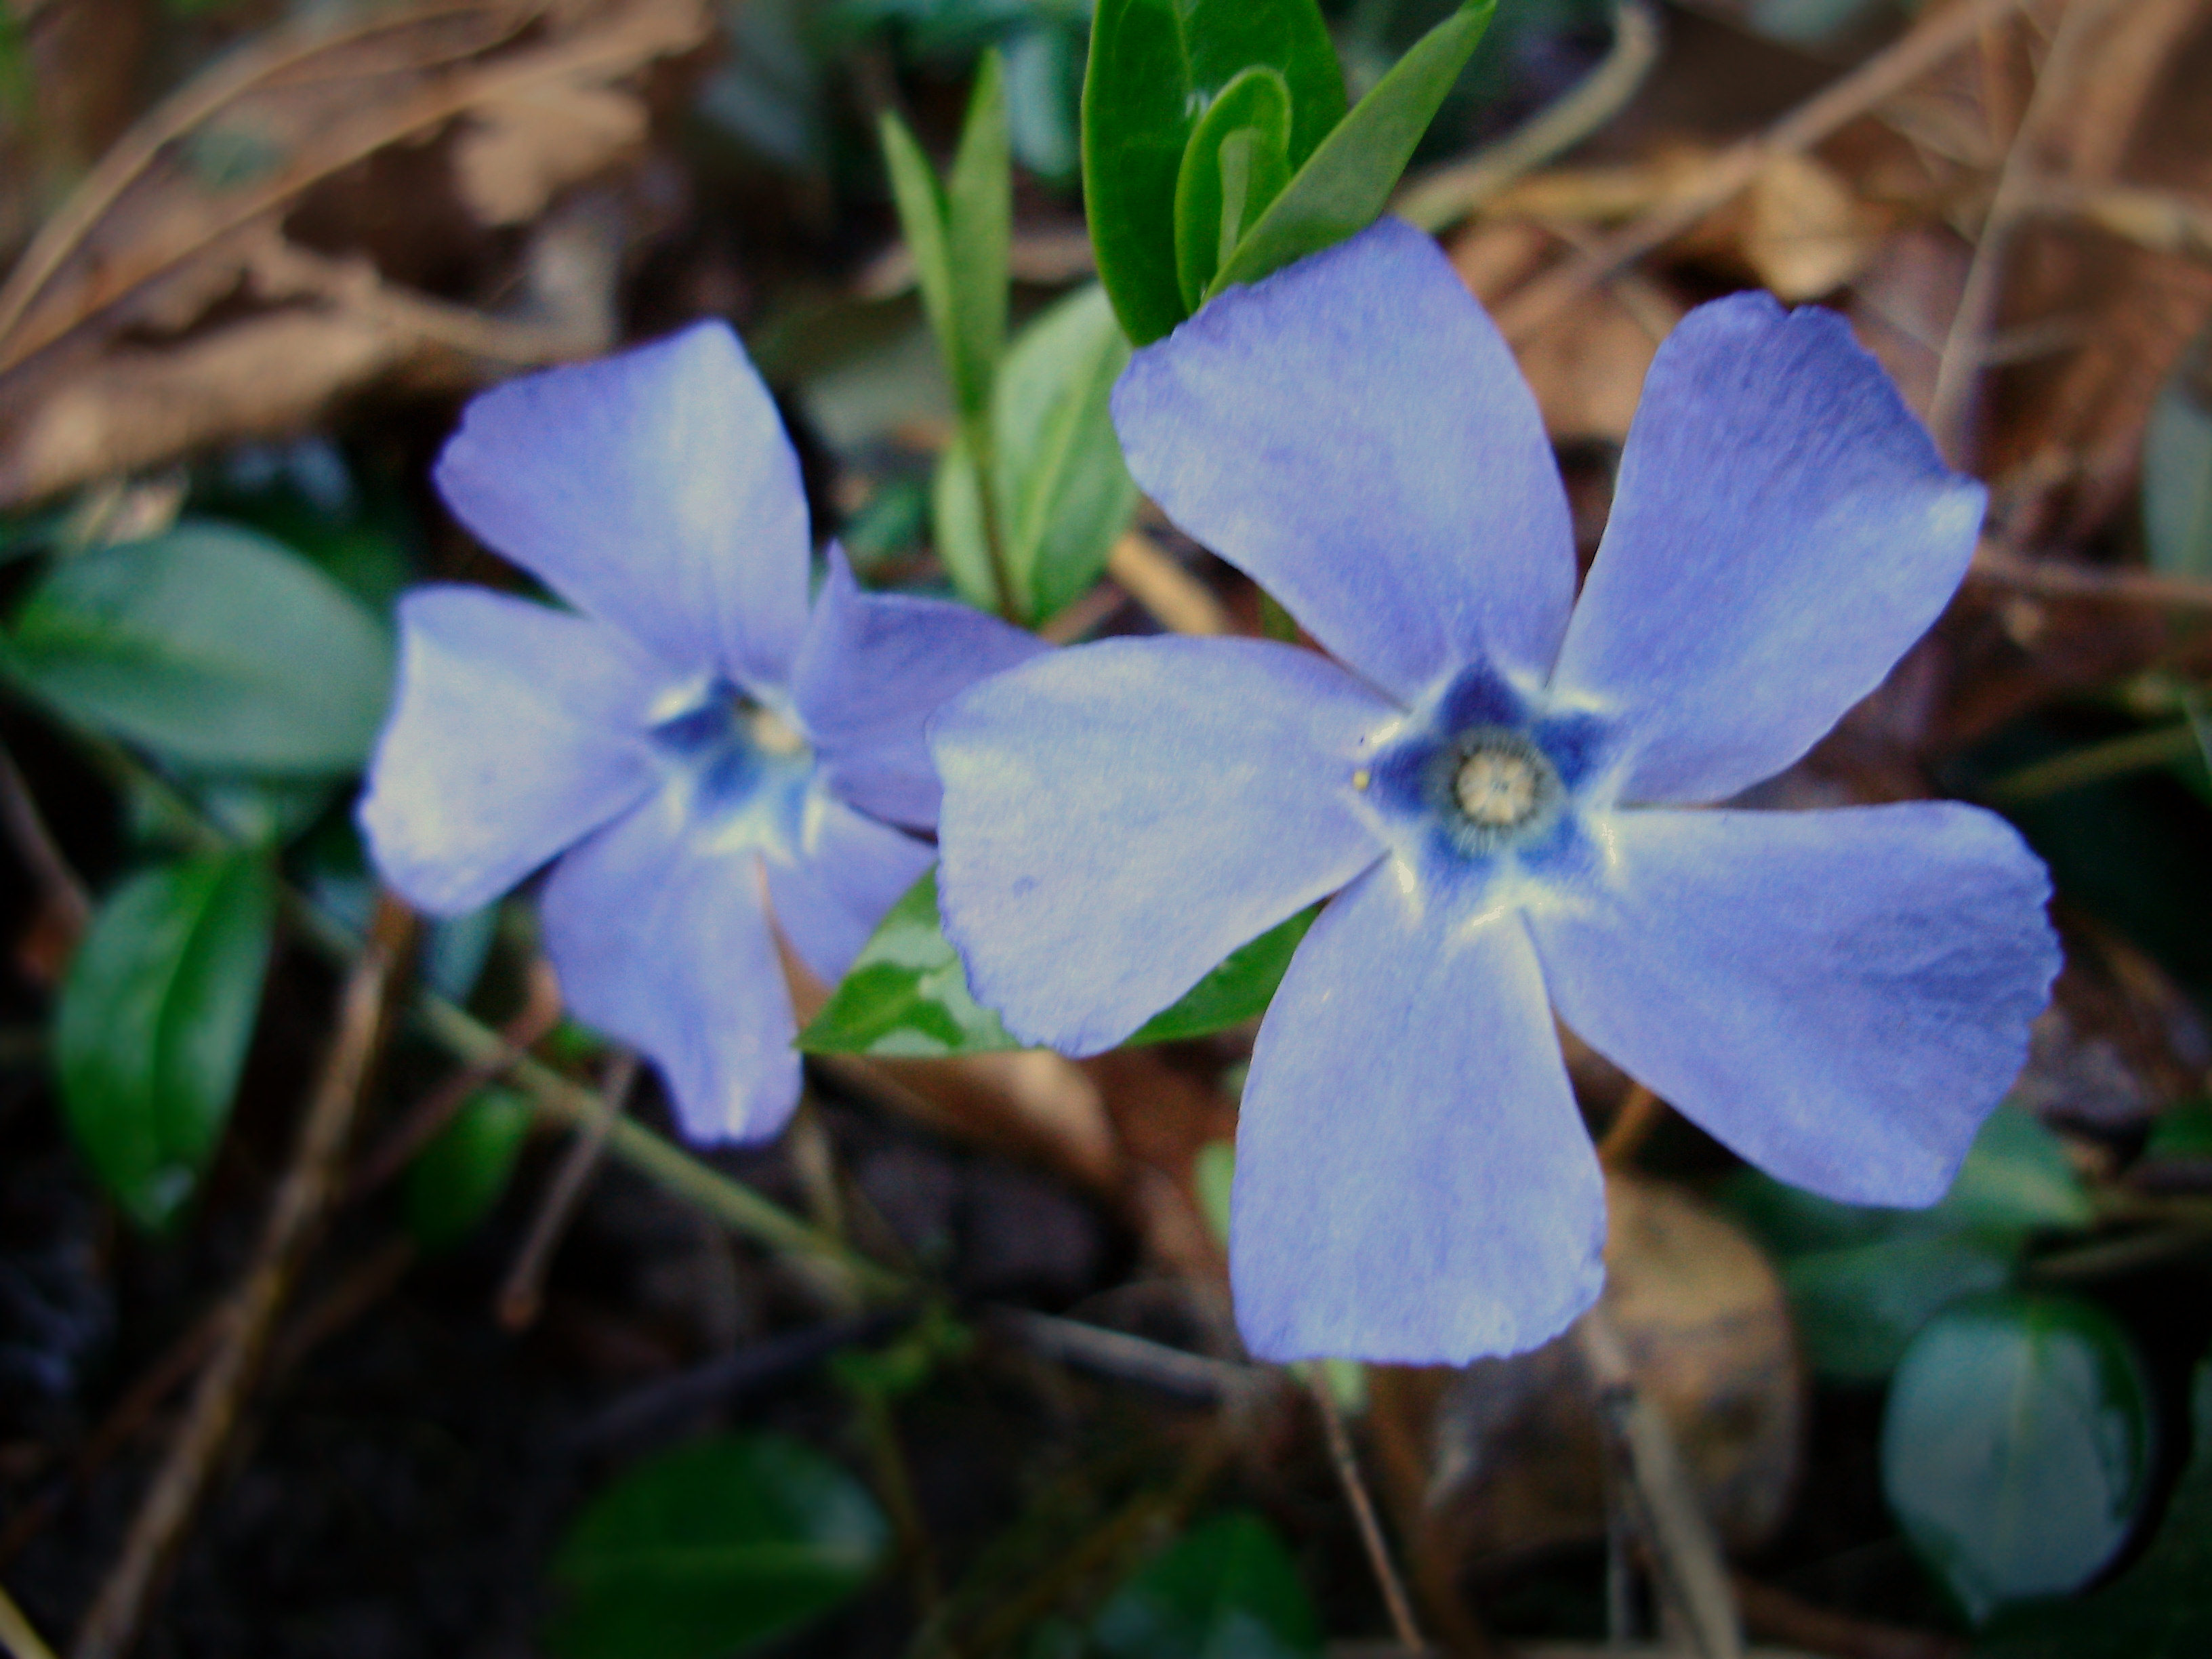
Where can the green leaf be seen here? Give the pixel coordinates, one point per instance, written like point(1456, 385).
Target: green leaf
point(1061, 490)
point(1155, 66)
point(2182, 1130)
point(1339, 191)
point(2016, 1447)
point(713, 1549)
point(1044, 93)
point(455, 1180)
point(907, 994)
point(1064, 491)
point(958, 235)
point(1237, 162)
point(153, 1021)
point(1863, 1280)
point(1226, 1589)
point(2177, 468)
point(214, 647)
point(2161, 1607)
point(1239, 989)
point(1857, 1309)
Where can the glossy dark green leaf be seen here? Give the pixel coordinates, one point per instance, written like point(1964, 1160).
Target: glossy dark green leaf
point(154, 1022)
point(958, 235)
point(1237, 161)
point(711, 1550)
point(1155, 66)
point(1863, 1280)
point(1857, 1308)
point(2161, 1607)
point(1226, 1588)
point(2177, 468)
point(211, 645)
point(455, 1180)
point(1239, 989)
point(906, 994)
point(1062, 493)
point(1341, 188)
point(2016, 1447)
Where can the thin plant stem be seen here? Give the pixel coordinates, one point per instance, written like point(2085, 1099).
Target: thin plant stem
point(17, 1634)
point(1344, 1455)
point(2093, 763)
point(524, 1293)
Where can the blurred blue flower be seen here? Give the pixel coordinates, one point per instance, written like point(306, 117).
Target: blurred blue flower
point(694, 746)
point(1491, 787)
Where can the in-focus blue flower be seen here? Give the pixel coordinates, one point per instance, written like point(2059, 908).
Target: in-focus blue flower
point(695, 746)
point(1491, 787)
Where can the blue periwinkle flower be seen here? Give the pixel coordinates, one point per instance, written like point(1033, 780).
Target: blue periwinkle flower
point(1491, 785)
point(696, 747)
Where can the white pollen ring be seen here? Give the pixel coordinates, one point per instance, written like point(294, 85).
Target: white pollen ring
point(1498, 788)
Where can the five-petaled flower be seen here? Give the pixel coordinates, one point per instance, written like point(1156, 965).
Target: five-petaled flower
point(696, 746)
point(1491, 785)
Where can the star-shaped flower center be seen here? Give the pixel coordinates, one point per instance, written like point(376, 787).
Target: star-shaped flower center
point(1497, 788)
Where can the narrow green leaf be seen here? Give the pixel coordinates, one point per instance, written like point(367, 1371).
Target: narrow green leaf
point(1044, 94)
point(979, 229)
point(1239, 989)
point(455, 1180)
point(1136, 121)
point(1237, 162)
point(1064, 490)
point(712, 1550)
point(958, 233)
point(2177, 468)
point(2161, 1607)
point(1227, 1587)
point(1155, 66)
point(956, 525)
point(154, 1022)
point(919, 200)
point(906, 994)
point(1344, 186)
point(2016, 1447)
point(211, 645)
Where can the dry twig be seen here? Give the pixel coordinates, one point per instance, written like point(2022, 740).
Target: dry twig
point(1930, 42)
point(523, 1292)
point(1346, 1457)
point(112, 1626)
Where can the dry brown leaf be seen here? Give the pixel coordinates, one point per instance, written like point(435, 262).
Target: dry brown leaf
point(1805, 234)
point(1507, 1454)
point(517, 152)
point(108, 358)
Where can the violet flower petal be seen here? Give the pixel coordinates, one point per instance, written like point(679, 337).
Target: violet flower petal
point(1352, 432)
point(1840, 996)
point(1118, 819)
point(1782, 532)
point(514, 729)
point(654, 490)
point(850, 871)
point(668, 948)
point(1413, 1181)
point(873, 669)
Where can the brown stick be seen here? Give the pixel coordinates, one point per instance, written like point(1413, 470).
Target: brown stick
point(63, 893)
point(523, 1292)
point(1927, 43)
point(1346, 1459)
point(2053, 579)
point(1640, 1114)
point(112, 1625)
point(1966, 347)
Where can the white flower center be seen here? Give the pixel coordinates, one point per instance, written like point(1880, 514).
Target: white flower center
point(1496, 788)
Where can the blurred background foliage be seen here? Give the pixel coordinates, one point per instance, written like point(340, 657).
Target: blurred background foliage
point(522, 1377)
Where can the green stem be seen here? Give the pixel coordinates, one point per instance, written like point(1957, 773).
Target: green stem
point(976, 430)
point(2094, 764)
